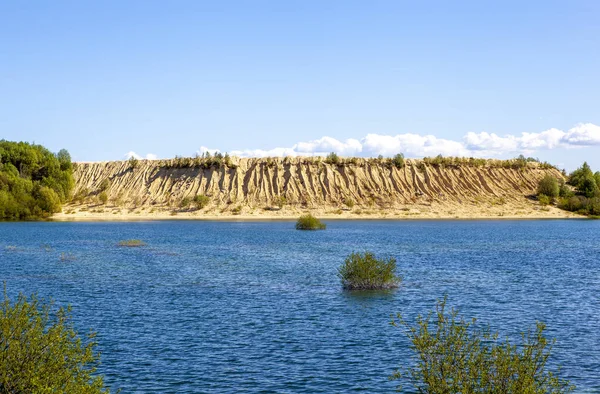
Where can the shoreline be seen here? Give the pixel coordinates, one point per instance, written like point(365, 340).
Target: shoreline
point(552, 213)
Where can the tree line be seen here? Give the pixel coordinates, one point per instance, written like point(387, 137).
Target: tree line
point(34, 182)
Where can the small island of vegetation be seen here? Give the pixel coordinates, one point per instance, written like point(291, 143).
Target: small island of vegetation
point(132, 243)
point(309, 222)
point(363, 271)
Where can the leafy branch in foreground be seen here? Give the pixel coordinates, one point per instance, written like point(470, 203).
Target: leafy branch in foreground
point(453, 356)
point(40, 352)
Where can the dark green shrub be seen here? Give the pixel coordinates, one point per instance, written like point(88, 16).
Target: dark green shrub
point(362, 271)
point(349, 202)
point(103, 197)
point(309, 222)
point(279, 201)
point(544, 199)
point(548, 186)
point(185, 202)
point(332, 158)
point(398, 160)
point(104, 185)
point(565, 191)
point(453, 356)
point(40, 351)
point(133, 163)
point(572, 204)
point(201, 201)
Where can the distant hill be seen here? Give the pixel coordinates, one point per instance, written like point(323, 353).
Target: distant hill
point(439, 187)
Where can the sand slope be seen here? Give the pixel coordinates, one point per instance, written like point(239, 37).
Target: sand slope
point(255, 188)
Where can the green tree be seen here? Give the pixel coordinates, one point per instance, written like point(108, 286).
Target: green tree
point(454, 356)
point(133, 162)
point(34, 182)
point(40, 352)
point(587, 186)
point(64, 159)
point(577, 177)
point(548, 186)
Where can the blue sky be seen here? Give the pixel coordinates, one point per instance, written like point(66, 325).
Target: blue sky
point(103, 79)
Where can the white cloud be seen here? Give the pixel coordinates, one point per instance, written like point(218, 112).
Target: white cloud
point(204, 149)
point(583, 134)
point(149, 156)
point(482, 144)
point(276, 152)
point(350, 147)
point(411, 145)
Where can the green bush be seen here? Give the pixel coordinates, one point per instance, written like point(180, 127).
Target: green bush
point(104, 185)
point(548, 186)
point(332, 158)
point(185, 202)
point(40, 351)
point(309, 222)
point(349, 202)
point(201, 201)
point(279, 201)
point(133, 162)
point(544, 199)
point(453, 356)
point(365, 272)
point(398, 160)
point(565, 191)
point(103, 197)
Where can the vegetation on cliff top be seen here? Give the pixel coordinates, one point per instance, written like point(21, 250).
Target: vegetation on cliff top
point(34, 182)
point(219, 160)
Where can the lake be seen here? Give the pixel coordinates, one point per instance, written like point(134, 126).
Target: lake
point(257, 306)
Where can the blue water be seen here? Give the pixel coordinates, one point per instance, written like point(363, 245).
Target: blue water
point(257, 306)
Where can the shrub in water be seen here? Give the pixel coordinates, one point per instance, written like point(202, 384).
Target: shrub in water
point(40, 351)
point(452, 356)
point(362, 271)
point(309, 222)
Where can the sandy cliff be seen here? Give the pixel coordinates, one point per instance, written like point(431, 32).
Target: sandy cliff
point(285, 187)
